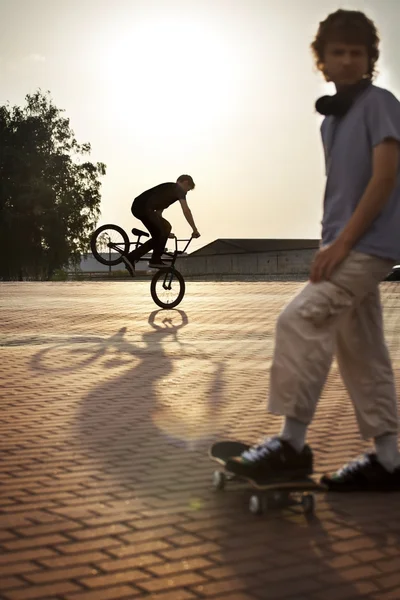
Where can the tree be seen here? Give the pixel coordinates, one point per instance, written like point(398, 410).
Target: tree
point(49, 191)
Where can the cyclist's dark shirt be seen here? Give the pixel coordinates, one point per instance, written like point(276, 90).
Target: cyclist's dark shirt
point(161, 196)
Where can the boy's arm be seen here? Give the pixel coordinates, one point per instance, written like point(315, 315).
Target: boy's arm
point(385, 168)
point(386, 159)
point(189, 217)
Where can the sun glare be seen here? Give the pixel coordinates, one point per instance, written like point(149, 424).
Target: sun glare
point(171, 72)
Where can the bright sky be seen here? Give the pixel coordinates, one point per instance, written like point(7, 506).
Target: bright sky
point(221, 89)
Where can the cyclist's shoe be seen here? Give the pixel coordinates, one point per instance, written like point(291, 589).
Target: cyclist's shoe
point(363, 474)
point(275, 458)
point(157, 264)
point(129, 266)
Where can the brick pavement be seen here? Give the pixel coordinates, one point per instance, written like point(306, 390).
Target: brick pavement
point(107, 409)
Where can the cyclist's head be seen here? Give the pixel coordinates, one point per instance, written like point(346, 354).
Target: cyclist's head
point(186, 182)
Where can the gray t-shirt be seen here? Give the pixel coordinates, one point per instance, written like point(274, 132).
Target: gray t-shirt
point(348, 145)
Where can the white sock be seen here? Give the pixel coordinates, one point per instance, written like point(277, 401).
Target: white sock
point(294, 432)
point(387, 452)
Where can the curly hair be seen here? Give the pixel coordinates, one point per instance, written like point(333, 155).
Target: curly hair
point(351, 27)
point(187, 178)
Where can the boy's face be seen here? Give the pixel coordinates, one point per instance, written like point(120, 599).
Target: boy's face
point(345, 64)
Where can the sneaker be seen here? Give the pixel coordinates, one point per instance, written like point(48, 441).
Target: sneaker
point(129, 266)
point(157, 264)
point(275, 459)
point(364, 474)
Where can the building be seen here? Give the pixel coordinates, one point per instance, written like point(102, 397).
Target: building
point(89, 264)
point(259, 258)
point(254, 257)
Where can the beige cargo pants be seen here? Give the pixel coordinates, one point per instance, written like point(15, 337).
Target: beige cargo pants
point(341, 317)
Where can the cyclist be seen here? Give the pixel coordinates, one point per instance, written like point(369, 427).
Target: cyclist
point(148, 208)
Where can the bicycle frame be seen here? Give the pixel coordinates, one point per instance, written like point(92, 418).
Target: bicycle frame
point(173, 255)
point(176, 252)
point(116, 247)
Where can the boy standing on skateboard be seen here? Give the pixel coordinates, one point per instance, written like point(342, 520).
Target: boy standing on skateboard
point(339, 310)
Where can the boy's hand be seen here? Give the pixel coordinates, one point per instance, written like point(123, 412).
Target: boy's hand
point(195, 234)
point(327, 260)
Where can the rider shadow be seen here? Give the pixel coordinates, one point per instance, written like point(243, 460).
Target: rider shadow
point(133, 422)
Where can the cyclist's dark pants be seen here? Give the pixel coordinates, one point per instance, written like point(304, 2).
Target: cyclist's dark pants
point(158, 227)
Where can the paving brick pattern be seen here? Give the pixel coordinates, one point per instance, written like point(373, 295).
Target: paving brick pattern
point(107, 410)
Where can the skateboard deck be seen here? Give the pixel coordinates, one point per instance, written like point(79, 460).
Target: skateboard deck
point(282, 491)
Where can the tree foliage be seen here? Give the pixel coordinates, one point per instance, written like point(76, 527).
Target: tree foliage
point(49, 191)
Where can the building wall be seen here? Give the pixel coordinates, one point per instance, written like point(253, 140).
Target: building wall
point(91, 265)
point(289, 262)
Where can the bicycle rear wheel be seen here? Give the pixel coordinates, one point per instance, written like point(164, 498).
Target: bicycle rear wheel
point(167, 288)
point(101, 240)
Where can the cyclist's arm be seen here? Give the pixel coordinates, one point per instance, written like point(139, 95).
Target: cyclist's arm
point(188, 215)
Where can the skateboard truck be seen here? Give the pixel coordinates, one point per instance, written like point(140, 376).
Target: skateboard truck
point(273, 497)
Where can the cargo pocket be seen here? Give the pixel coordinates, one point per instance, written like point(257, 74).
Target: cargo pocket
point(327, 303)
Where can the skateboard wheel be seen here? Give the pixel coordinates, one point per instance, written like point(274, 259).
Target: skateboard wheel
point(256, 506)
point(308, 502)
point(219, 479)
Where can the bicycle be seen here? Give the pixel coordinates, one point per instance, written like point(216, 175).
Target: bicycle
point(166, 283)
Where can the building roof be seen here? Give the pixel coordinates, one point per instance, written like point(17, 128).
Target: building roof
point(251, 245)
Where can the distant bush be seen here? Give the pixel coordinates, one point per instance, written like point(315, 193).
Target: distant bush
point(59, 275)
point(77, 275)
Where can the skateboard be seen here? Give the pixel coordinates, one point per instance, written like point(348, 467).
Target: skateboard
point(269, 494)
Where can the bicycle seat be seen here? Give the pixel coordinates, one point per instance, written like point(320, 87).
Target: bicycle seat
point(139, 232)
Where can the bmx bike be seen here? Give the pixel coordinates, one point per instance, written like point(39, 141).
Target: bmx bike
point(167, 286)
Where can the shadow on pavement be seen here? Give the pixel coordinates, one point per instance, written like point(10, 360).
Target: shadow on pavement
point(134, 425)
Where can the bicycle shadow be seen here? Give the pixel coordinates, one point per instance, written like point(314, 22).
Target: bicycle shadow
point(139, 426)
point(140, 401)
point(86, 350)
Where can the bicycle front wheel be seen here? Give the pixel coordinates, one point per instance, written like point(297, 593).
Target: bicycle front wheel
point(167, 288)
point(106, 241)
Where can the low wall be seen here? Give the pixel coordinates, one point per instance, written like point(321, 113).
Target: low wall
point(89, 264)
point(289, 262)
